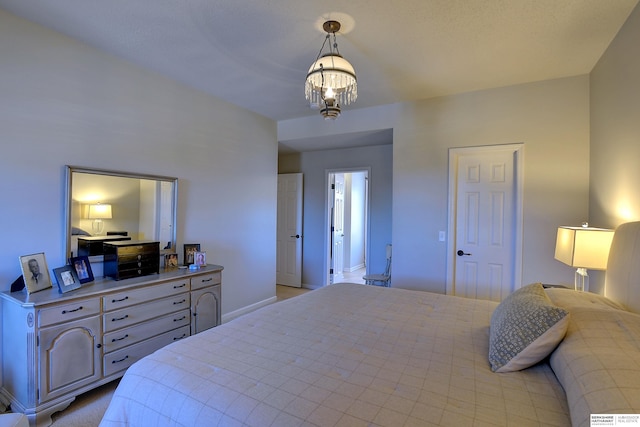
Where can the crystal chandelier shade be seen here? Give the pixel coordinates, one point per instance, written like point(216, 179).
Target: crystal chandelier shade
point(331, 80)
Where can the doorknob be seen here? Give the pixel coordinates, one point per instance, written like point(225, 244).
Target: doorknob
point(461, 252)
point(297, 236)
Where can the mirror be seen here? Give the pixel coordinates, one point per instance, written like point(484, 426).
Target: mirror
point(104, 205)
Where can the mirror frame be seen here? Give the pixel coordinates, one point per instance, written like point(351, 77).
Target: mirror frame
point(70, 170)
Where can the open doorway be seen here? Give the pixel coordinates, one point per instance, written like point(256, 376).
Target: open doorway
point(347, 237)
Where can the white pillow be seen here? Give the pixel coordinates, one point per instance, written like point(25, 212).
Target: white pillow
point(525, 328)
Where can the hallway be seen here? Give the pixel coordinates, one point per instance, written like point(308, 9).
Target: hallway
point(353, 277)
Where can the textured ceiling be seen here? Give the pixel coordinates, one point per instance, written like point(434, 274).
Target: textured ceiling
point(255, 54)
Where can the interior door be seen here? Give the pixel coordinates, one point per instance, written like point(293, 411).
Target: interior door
point(486, 225)
point(338, 228)
point(165, 217)
point(289, 230)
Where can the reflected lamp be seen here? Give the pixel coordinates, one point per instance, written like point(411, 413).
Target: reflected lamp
point(97, 213)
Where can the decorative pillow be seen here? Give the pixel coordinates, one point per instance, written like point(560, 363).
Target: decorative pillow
point(525, 328)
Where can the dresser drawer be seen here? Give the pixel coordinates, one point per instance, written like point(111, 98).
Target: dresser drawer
point(119, 319)
point(131, 270)
point(67, 312)
point(121, 359)
point(205, 280)
point(121, 338)
point(140, 295)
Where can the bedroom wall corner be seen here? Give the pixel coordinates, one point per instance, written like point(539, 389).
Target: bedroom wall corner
point(615, 130)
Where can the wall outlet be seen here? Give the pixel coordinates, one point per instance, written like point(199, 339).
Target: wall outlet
point(441, 236)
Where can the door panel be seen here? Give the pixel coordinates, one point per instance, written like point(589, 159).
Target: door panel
point(338, 228)
point(289, 230)
point(485, 225)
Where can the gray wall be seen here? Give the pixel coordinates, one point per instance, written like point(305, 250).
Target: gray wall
point(551, 119)
point(63, 102)
point(314, 166)
point(614, 197)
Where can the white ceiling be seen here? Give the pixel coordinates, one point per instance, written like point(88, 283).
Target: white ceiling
point(256, 53)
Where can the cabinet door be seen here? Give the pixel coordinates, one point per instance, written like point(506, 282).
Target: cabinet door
point(205, 307)
point(69, 357)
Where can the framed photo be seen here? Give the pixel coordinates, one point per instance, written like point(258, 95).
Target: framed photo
point(170, 261)
point(200, 259)
point(190, 250)
point(35, 272)
point(67, 278)
point(83, 268)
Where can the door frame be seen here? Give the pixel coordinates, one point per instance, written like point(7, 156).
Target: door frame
point(327, 217)
point(454, 155)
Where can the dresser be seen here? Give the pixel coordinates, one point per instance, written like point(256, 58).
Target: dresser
point(57, 346)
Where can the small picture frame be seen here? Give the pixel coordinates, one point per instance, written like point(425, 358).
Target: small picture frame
point(171, 261)
point(35, 272)
point(67, 278)
point(83, 269)
point(190, 250)
point(200, 259)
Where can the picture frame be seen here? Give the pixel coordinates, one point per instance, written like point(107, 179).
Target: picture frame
point(189, 252)
point(67, 278)
point(35, 272)
point(82, 267)
point(200, 258)
point(170, 261)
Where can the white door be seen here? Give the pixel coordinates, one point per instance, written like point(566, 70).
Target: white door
point(487, 228)
point(165, 217)
point(337, 255)
point(289, 230)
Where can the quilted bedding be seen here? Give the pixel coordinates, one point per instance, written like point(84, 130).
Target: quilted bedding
point(598, 362)
point(343, 355)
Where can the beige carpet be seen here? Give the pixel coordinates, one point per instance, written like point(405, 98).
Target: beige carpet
point(88, 408)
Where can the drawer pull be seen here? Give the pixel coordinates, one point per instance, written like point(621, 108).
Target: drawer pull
point(115, 319)
point(121, 360)
point(182, 318)
point(179, 302)
point(179, 286)
point(71, 311)
point(179, 338)
point(120, 339)
point(119, 300)
point(206, 280)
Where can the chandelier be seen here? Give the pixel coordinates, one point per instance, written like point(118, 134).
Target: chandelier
point(331, 80)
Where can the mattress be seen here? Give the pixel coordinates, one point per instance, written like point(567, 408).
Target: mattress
point(342, 355)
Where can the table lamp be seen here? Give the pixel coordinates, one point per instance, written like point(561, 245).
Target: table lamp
point(584, 248)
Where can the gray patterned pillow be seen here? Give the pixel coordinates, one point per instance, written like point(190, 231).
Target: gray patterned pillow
point(524, 329)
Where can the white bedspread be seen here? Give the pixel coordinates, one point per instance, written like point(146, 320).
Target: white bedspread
point(343, 355)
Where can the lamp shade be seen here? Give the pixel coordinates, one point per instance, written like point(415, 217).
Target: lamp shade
point(100, 211)
point(584, 247)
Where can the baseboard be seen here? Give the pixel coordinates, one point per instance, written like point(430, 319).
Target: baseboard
point(248, 309)
point(354, 268)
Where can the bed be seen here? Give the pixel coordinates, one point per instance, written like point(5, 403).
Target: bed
point(350, 355)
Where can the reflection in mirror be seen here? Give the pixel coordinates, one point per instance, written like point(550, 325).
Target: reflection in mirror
point(105, 205)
